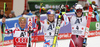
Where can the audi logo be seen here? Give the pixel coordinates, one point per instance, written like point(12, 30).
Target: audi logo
point(21, 40)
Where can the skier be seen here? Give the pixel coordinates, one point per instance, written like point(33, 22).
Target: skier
point(78, 25)
point(48, 26)
point(20, 33)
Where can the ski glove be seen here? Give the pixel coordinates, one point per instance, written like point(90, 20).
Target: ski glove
point(84, 42)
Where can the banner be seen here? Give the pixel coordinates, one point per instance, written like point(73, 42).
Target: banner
point(35, 5)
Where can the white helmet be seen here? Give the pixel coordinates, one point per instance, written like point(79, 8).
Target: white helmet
point(78, 6)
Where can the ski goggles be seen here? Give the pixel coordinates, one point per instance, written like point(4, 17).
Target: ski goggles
point(79, 10)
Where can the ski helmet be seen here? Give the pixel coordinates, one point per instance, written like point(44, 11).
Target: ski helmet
point(93, 2)
point(50, 11)
point(78, 8)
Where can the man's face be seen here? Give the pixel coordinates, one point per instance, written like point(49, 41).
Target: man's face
point(3, 20)
point(10, 15)
point(79, 12)
point(86, 5)
point(25, 12)
point(71, 8)
point(13, 14)
point(2, 12)
point(22, 24)
point(57, 10)
point(51, 17)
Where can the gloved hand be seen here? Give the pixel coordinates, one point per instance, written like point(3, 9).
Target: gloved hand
point(9, 31)
point(95, 13)
point(85, 42)
point(39, 25)
point(94, 7)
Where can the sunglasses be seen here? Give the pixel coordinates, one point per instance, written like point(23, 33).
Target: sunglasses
point(79, 10)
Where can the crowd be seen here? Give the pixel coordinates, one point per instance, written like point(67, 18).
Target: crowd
point(44, 10)
point(11, 15)
point(71, 9)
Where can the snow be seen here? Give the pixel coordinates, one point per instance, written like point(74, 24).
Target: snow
point(91, 42)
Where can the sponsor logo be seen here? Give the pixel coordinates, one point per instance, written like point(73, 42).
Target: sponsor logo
point(21, 40)
point(64, 36)
point(8, 42)
point(47, 6)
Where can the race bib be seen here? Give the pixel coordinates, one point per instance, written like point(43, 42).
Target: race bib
point(78, 30)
